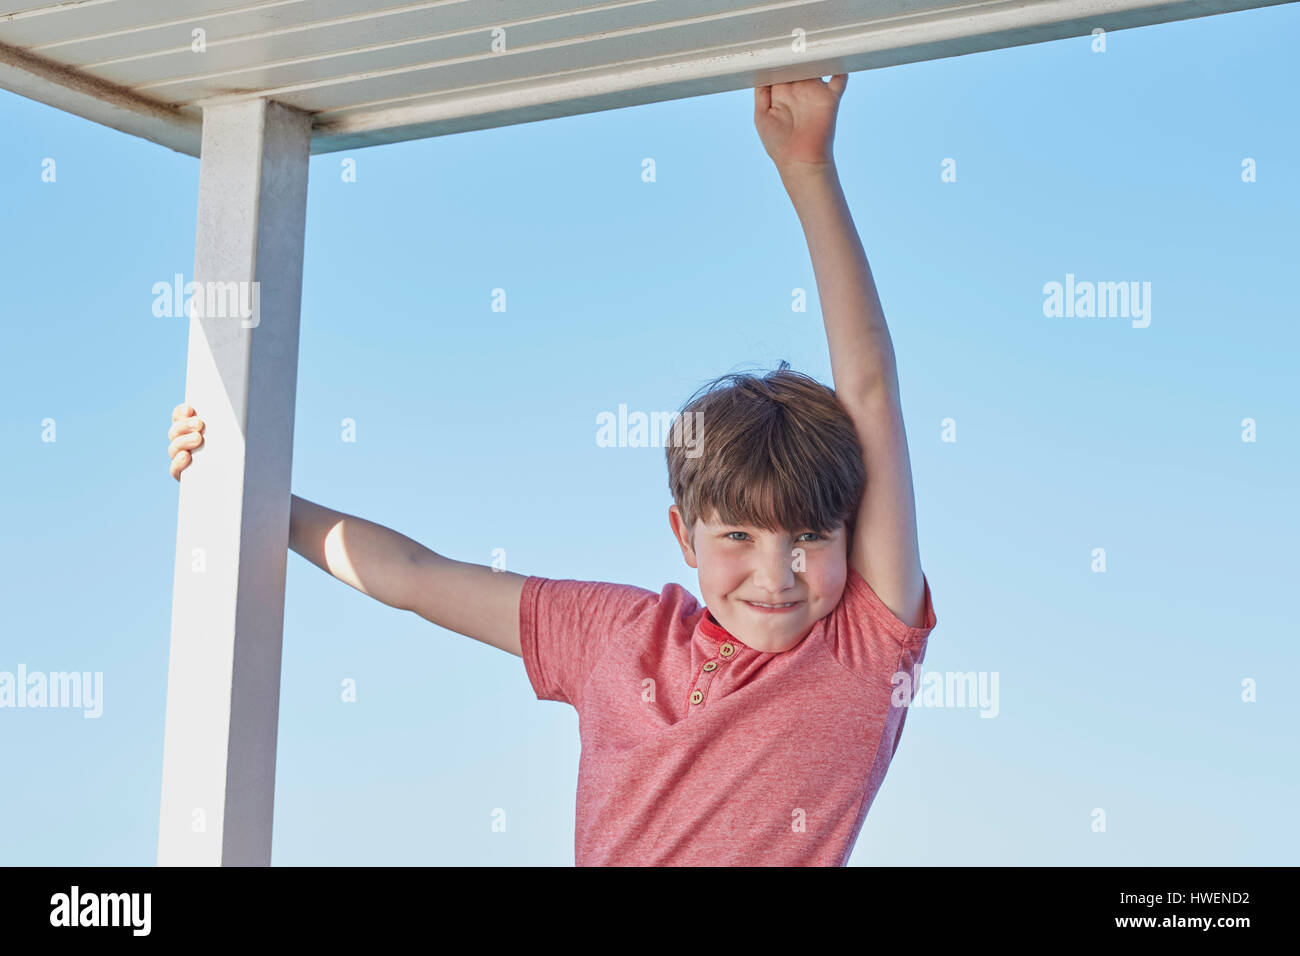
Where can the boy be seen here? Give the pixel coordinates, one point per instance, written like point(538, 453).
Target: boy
point(754, 729)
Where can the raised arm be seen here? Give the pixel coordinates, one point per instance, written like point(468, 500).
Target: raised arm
point(796, 123)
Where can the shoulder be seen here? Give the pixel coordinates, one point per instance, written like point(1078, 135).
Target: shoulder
point(610, 599)
point(861, 605)
point(867, 639)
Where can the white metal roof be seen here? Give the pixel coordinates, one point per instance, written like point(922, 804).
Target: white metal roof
point(380, 71)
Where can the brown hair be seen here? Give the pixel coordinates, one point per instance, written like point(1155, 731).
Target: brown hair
point(779, 452)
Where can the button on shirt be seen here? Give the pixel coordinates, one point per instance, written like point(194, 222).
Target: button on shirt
point(700, 750)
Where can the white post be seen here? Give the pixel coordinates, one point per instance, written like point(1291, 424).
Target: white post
point(223, 680)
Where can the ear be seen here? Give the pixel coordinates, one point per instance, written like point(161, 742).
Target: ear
point(680, 532)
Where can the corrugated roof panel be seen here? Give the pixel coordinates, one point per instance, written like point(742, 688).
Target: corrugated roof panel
point(374, 71)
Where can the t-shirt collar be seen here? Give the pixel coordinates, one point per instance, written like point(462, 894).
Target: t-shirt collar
point(710, 628)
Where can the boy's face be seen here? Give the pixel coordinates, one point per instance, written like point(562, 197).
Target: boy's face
point(740, 564)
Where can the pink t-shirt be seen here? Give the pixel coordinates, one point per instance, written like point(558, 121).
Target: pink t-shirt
point(775, 765)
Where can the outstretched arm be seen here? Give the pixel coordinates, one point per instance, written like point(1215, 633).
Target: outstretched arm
point(471, 599)
point(796, 123)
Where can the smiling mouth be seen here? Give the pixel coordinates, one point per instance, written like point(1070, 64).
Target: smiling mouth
point(773, 607)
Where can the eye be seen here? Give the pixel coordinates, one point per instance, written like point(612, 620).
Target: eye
point(730, 533)
point(814, 534)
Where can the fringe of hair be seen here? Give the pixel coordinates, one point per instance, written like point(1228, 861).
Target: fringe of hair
point(776, 451)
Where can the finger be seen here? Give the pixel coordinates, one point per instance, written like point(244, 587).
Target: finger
point(838, 82)
point(179, 464)
point(183, 425)
point(762, 99)
point(187, 441)
point(181, 411)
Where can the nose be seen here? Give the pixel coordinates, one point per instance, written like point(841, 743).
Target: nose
point(774, 574)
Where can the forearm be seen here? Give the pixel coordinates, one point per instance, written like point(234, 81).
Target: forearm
point(862, 354)
point(361, 553)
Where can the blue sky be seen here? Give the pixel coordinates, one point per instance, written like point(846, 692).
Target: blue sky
point(476, 429)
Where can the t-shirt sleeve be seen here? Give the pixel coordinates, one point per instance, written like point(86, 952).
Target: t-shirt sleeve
point(564, 627)
point(869, 640)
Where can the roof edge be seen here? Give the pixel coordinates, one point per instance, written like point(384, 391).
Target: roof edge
point(89, 97)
